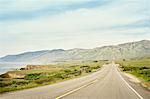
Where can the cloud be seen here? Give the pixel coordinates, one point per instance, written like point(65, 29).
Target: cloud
point(27, 9)
point(48, 24)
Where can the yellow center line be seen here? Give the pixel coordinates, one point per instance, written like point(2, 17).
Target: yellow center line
point(72, 91)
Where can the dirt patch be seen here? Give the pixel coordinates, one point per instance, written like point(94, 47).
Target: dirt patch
point(132, 78)
point(12, 75)
point(146, 85)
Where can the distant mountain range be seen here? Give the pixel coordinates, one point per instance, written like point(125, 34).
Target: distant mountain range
point(122, 51)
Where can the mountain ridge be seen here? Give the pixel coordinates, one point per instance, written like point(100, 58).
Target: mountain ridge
point(128, 50)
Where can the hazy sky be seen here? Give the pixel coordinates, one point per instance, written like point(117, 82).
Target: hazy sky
point(29, 25)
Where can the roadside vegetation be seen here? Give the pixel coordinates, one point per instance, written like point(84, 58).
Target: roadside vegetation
point(46, 74)
point(139, 67)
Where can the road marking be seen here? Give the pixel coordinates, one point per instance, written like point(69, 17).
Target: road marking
point(82, 86)
point(130, 86)
point(72, 91)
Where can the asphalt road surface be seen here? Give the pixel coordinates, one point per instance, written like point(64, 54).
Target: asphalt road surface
point(107, 83)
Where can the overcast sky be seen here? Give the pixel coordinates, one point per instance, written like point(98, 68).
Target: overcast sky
point(29, 25)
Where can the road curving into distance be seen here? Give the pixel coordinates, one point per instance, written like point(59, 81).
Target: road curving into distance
point(107, 83)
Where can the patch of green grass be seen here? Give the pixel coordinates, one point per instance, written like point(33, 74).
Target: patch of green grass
point(139, 68)
point(56, 73)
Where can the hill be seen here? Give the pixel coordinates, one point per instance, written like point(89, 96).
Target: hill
point(122, 51)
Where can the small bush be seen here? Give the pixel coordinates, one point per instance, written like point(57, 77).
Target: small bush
point(42, 80)
point(88, 70)
point(5, 83)
point(60, 76)
point(78, 73)
point(32, 76)
point(95, 61)
point(141, 68)
point(84, 66)
point(21, 82)
point(67, 71)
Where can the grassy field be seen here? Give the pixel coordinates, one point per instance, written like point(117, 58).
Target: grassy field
point(53, 74)
point(140, 68)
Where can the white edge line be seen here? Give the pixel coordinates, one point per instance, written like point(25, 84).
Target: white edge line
point(130, 86)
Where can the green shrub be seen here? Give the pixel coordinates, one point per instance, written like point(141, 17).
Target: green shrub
point(95, 61)
point(78, 73)
point(67, 71)
point(32, 76)
point(60, 76)
point(88, 70)
point(85, 66)
point(42, 80)
point(6, 83)
point(20, 82)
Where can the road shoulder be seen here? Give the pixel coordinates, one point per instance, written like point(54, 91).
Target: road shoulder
point(135, 83)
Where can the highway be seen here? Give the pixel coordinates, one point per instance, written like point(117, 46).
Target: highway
point(107, 83)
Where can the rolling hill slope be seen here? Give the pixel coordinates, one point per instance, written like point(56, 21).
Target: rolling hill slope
point(122, 51)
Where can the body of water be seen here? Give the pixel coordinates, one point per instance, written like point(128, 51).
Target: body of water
point(4, 67)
